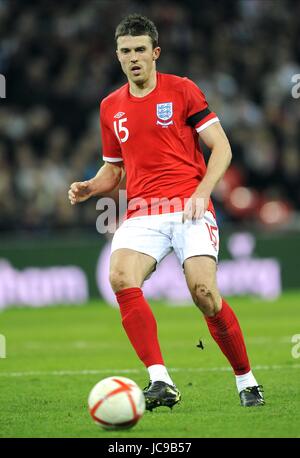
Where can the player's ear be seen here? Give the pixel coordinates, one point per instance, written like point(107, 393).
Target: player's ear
point(156, 52)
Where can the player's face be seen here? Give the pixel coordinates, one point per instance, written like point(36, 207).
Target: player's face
point(137, 57)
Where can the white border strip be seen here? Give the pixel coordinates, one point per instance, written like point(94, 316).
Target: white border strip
point(206, 124)
point(138, 371)
point(112, 159)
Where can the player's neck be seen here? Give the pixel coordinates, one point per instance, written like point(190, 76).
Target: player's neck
point(143, 89)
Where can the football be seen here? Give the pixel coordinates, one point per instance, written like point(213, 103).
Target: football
point(116, 403)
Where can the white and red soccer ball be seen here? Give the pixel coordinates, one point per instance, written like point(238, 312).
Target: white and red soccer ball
point(116, 403)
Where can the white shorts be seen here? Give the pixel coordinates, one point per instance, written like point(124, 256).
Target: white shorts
point(158, 235)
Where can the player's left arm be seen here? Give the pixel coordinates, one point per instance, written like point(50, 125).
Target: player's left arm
point(216, 140)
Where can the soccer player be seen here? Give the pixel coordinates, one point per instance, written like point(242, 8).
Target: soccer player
point(150, 128)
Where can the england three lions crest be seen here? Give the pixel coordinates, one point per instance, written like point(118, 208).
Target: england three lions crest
point(164, 112)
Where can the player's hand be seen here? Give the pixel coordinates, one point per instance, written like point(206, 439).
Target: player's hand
point(195, 207)
point(80, 191)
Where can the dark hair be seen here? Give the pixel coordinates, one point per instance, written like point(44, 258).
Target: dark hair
point(135, 25)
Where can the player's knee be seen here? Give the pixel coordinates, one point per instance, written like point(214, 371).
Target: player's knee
point(119, 280)
point(205, 299)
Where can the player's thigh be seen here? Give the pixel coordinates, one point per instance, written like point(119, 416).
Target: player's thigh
point(196, 238)
point(129, 268)
point(201, 277)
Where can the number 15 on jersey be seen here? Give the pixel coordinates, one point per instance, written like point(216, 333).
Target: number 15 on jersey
point(121, 131)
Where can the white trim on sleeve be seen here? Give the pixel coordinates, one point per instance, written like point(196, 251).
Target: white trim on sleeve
point(206, 124)
point(112, 159)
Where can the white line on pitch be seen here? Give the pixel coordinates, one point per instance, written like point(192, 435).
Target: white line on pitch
point(137, 371)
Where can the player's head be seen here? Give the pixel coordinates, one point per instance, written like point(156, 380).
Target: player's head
point(137, 47)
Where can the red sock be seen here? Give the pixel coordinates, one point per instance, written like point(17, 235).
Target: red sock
point(225, 329)
point(140, 325)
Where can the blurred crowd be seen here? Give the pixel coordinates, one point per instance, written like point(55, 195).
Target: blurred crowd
point(59, 61)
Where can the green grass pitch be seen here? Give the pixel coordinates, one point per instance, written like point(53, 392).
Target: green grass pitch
point(56, 355)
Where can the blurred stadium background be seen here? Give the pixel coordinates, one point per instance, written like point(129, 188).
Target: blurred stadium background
point(59, 62)
point(58, 59)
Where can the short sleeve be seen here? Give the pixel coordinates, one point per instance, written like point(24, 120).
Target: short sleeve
point(111, 149)
point(198, 114)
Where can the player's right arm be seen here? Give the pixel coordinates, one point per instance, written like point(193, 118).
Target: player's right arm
point(107, 178)
point(110, 175)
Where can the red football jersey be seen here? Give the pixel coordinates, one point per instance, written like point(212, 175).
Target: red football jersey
point(156, 137)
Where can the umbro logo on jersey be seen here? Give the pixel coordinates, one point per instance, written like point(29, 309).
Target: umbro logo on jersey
point(119, 114)
point(164, 112)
